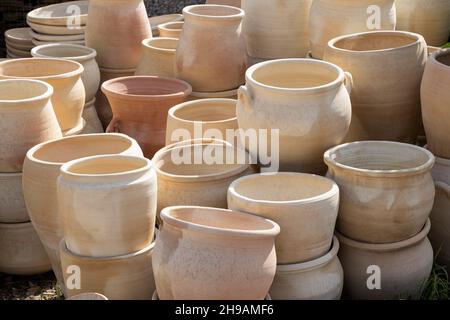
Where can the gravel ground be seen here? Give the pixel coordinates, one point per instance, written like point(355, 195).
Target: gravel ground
point(39, 287)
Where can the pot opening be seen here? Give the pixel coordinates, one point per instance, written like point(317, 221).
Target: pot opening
point(63, 51)
point(207, 110)
point(375, 41)
point(162, 43)
point(177, 25)
point(13, 90)
point(213, 11)
point(38, 67)
point(107, 165)
point(444, 58)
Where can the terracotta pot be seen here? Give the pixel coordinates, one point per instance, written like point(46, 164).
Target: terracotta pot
point(386, 183)
point(440, 222)
point(65, 77)
point(171, 29)
point(27, 118)
point(404, 267)
point(21, 252)
point(290, 199)
point(88, 296)
point(107, 205)
point(441, 170)
point(158, 57)
point(140, 105)
point(332, 18)
point(428, 18)
point(234, 3)
point(127, 277)
point(116, 29)
point(209, 243)
point(12, 204)
point(84, 55)
point(298, 97)
point(387, 108)
point(318, 279)
point(211, 54)
point(93, 123)
point(213, 115)
point(155, 21)
point(229, 94)
point(276, 29)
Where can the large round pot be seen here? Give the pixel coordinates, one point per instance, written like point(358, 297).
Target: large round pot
point(107, 205)
point(26, 119)
point(387, 68)
point(171, 29)
point(116, 29)
point(332, 18)
point(140, 105)
point(65, 76)
point(305, 207)
point(276, 29)
point(21, 252)
point(386, 271)
point(306, 100)
point(211, 53)
point(93, 123)
point(214, 254)
point(158, 57)
point(126, 277)
point(318, 279)
point(388, 184)
point(441, 170)
point(12, 204)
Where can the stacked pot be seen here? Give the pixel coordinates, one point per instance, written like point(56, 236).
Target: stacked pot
point(18, 43)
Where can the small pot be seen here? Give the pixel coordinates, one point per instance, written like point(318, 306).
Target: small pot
point(158, 57)
point(12, 204)
point(171, 29)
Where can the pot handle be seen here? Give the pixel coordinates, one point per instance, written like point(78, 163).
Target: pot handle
point(348, 81)
point(114, 126)
point(245, 98)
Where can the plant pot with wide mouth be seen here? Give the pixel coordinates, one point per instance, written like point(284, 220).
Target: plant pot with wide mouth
point(209, 243)
point(172, 29)
point(12, 204)
point(93, 123)
point(158, 57)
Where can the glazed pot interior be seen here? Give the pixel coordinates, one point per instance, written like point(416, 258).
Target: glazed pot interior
point(375, 41)
point(146, 86)
point(107, 165)
point(444, 58)
point(14, 90)
point(207, 110)
point(169, 44)
point(177, 25)
point(64, 51)
point(213, 10)
point(38, 67)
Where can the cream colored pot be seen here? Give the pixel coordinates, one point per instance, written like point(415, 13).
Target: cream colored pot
point(440, 223)
point(441, 170)
point(158, 57)
point(224, 254)
point(306, 100)
point(12, 204)
point(93, 123)
point(387, 68)
point(171, 29)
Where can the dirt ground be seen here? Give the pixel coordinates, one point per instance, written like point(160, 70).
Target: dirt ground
point(38, 287)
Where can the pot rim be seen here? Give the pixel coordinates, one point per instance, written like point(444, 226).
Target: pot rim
point(163, 26)
point(44, 96)
point(111, 70)
point(215, 95)
point(330, 161)
point(188, 104)
point(190, 142)
point(35, 13)
point(439, 160)
point(239, 15)
point(442, 52)
point(90, 52)
point(9, 175)
point(148, 44)
point(191, 226)
point(17, 225)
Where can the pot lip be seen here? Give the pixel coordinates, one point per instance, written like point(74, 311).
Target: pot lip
point(312, 264)
point(45, 96)
point(90, 52)
point(386, 246)
point(232, 189)
point(9, 175)
point(111, 70)
point(442, 52)
point(331, 162)
point(163, 26)
point(212, 95)
point(239, 15)
point(16, 225)
point(188, 104)
point(148, 44)
point(191, 226)
point(438, 160)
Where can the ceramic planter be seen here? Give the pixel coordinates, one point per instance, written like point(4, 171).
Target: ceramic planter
point(290, 199)
point(93, 123)
point(18, 36)
point(116, 29)
point(386, 183)
point(12, 204)
point(276, 29)
point(171, 29)
point(234, 3)
point(127, 277)
point(440, 223)
point(59, 14)
point(155, 21)
point(404, 267)
point(26, 119)
point(441, 170)
point(299, 97)
point(140, 105)
point(209, 243)
point(387, 108)
point(211, 54)
point(318, 279)
point(158, 57)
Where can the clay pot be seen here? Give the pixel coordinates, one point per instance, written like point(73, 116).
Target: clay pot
point(209, 243)
point(27, 118)
point(84, 55)
point(171, 29)
point(290, 199)
point(318, 279)
point(93, 124)
point(234, 3)
point(88, 296)
point(127, 277)
point(140, 105)
point(298, 97)
point(440, 223)
point(59, 14)
point(57, 30)
point(158, 57)
point(17, 53)
point(211, 54)
point(332, 18)
point(18, 36)
point(21, 252)
point(76, 130)
point(65, 77)
point(386, 183)
point(428, 18)
point(215, 116)
point(155, 21)
point(441, 170)
point(229, 94)
point(12, 204)
point(53, 38)
point(107, 205)
point(116, 29)
point(43, 43)
point(276, 29)
point(403, 267)
point(387, 108)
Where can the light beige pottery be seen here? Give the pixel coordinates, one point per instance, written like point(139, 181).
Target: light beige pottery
point(21, 252)
point(107, 205)
point(60, 14)
point(171, 29)
point(276, 29)
point(88, 296)
point(18, 52)
point(93, 123)
point(127, 277)
point(306, 100)
point(402, 267)
point(214, 254)
point(304, 206)
point(318, 279)
point(43, 43)
point(65, 77)
point(26, 119)
point(386, 189)
point(76, 130)
point(229, 94)
point(332, 18)
point(201, 118)
point(234, 3)
point(56, 30)
point(12, 204)
point(387, 68)
point(211, 54)
point(53, 38)
point(19, 36)
point(440, 224)
point(155, 21)
point(441, 170)
point(158, 57)
point(429, 18)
